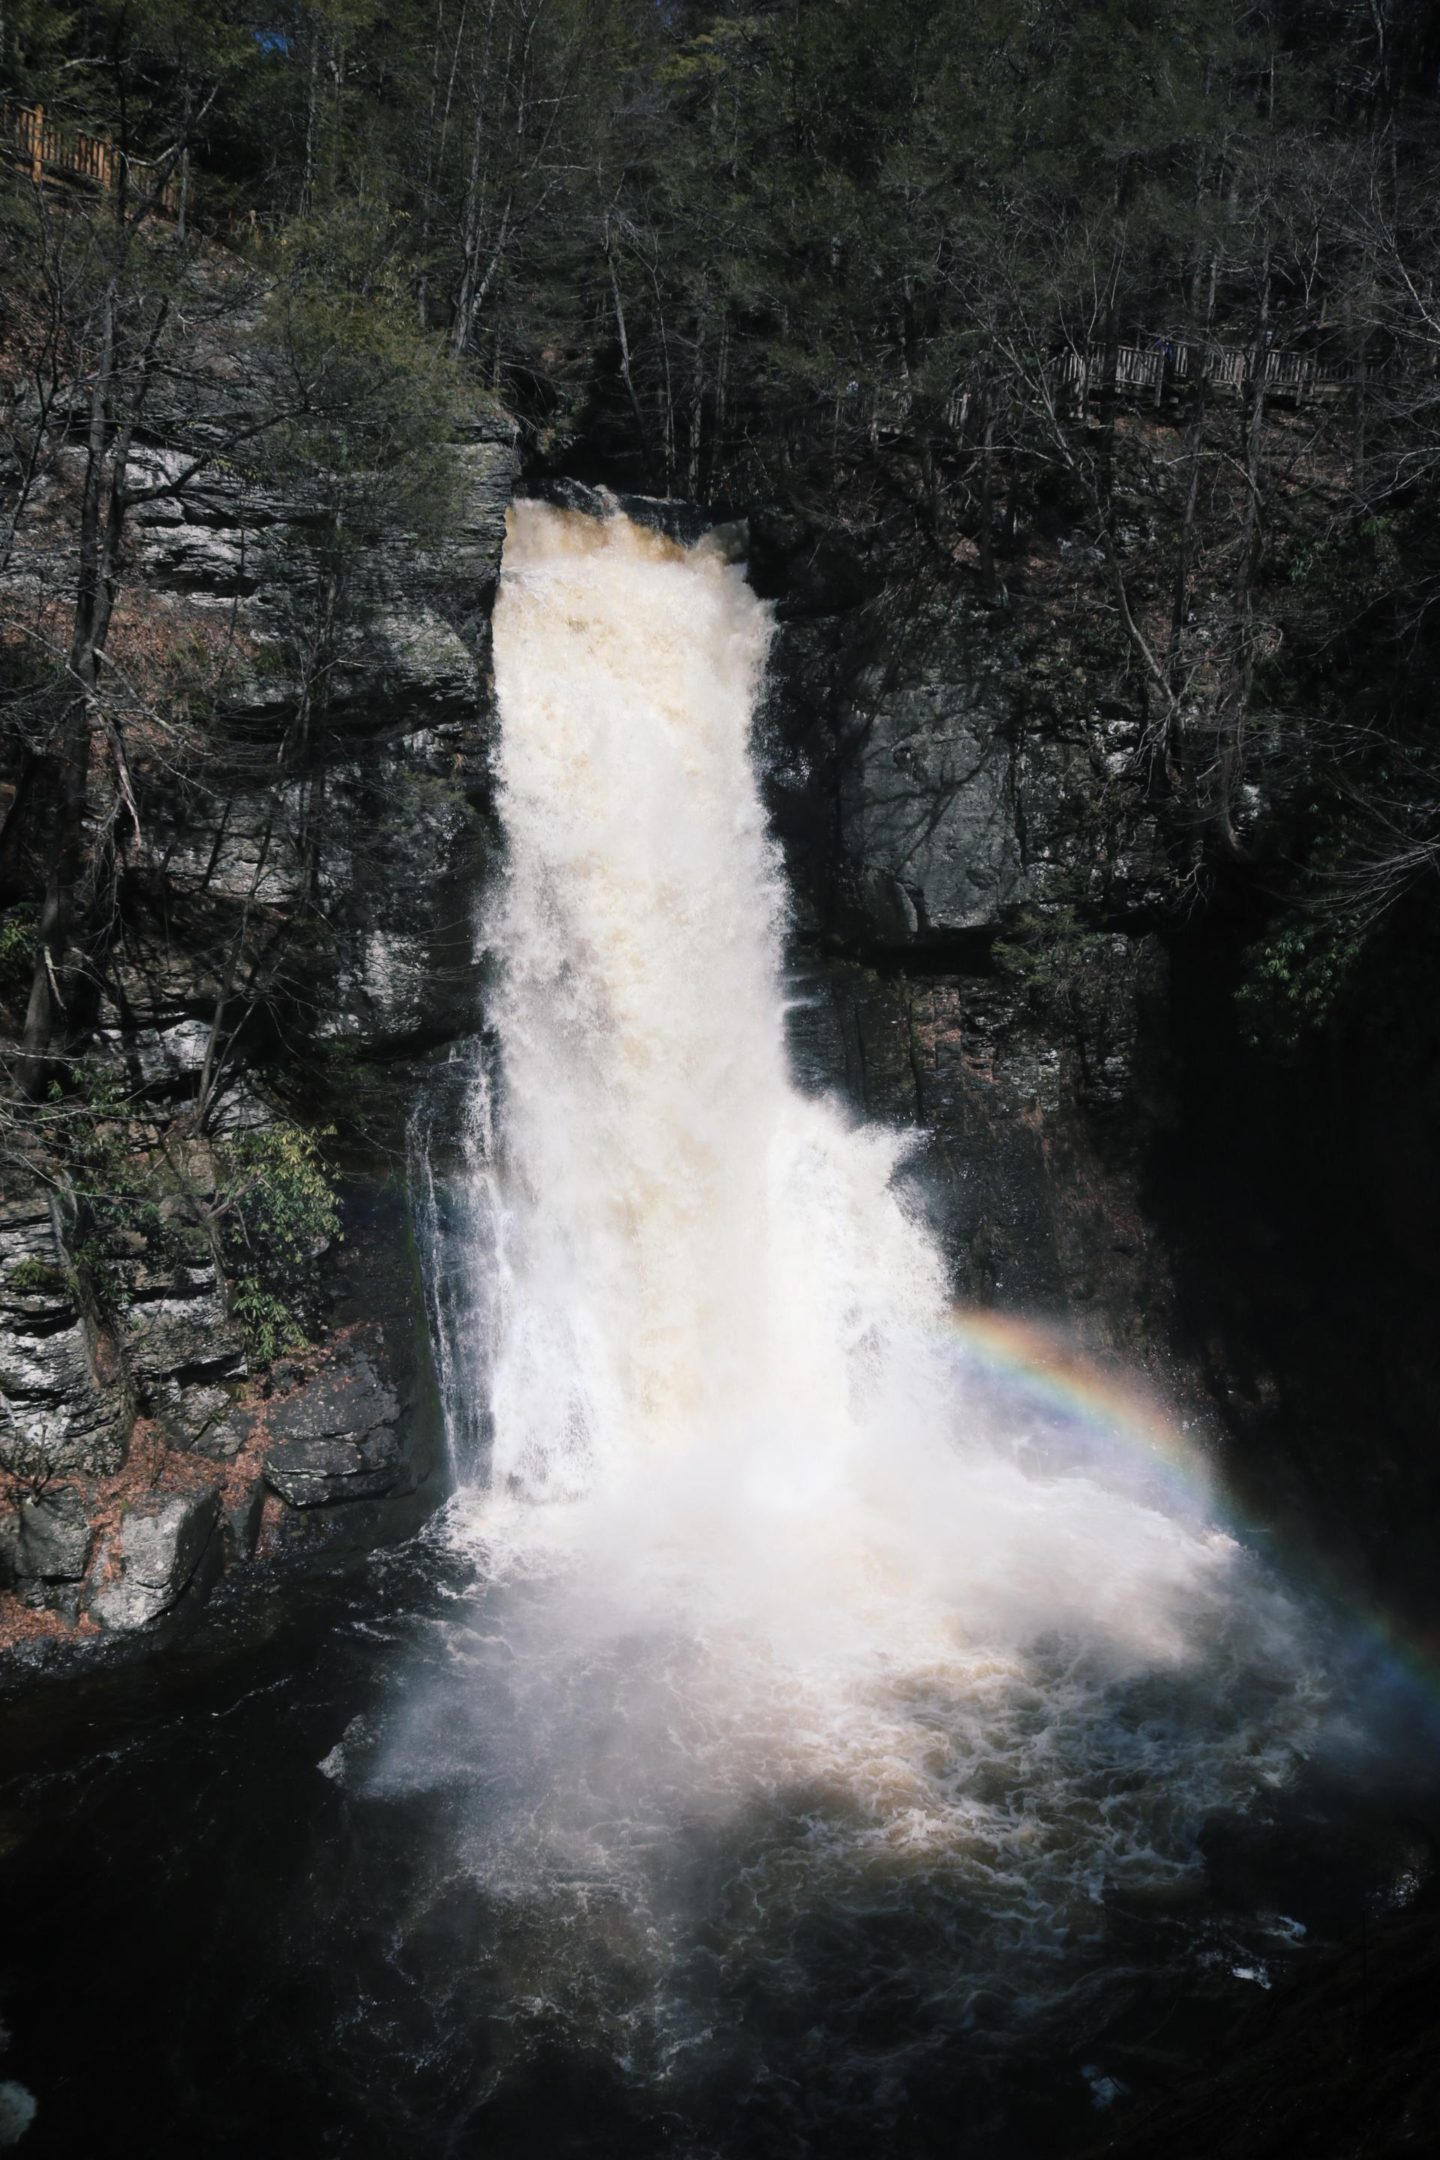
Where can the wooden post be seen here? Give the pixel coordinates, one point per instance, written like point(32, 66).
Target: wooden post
point(37, 144)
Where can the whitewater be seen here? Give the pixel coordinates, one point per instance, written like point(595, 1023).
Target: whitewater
point(808, 1670)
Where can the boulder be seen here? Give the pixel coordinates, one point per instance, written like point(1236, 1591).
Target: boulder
point(148, 1563)
point(50, 1537)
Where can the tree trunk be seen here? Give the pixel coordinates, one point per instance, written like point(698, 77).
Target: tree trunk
point(987, 501)
point(623, 338)
point(1252, 539)
point(48, 1002)
point(101, 525)
point(697, 414)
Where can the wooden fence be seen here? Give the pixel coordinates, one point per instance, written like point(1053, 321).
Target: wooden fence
point(47, 151)
point(1176, 364)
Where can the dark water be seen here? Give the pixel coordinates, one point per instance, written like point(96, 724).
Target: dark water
point(232, 1924)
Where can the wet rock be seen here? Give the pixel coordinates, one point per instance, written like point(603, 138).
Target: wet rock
point(158, 1548)
point(1317, 1866)
point(684, 522)
point(889, 908)
point(336, 1439)
point(322, 1473)
point(356, 1745)
point(348, 1396)
point(241, 1519)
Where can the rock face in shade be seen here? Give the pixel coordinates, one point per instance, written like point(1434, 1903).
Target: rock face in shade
point(1000, 948)
point(974, 958)
point(1028, 1160)
point(336, 1441)
point(974, 776)
point(47, 1542)
point(928, 813)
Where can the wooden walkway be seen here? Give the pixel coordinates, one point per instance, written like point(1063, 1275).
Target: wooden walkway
point(47, 151)
point(1172, 366)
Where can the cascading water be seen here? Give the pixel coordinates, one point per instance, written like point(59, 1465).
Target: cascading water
point(797, 1737)
point(697, 1257)
point(818, 1679)
point(450, 1147)
point(721, 1322)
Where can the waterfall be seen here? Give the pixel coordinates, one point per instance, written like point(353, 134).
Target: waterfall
point(702, 1262)
point(765, 1528)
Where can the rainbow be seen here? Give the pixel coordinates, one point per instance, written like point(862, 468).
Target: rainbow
point(1101, 1415)
point(1111, 1420)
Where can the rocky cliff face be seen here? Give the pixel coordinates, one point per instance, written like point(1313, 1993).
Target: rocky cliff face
point(948, 797)
point(140, 1452)
point(988, 937)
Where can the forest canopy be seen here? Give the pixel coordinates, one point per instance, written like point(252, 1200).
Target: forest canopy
point(1125, 304)
point(739, 248)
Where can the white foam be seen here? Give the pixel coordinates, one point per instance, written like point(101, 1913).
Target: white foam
point(762, 1535)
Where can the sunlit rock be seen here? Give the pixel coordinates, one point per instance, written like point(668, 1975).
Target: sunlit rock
point(147, 1564)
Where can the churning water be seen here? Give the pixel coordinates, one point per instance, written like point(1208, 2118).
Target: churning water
point(843, 1707)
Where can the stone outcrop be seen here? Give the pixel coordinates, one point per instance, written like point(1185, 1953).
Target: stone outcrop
point(358, 868)
point(59, 1409)
point(149, 1562)
point(48, 1542)
point(927, 811)
point(975, 776)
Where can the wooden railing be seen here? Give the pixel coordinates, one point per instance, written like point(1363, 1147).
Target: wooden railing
point(46, 150)
point(1177, 363)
